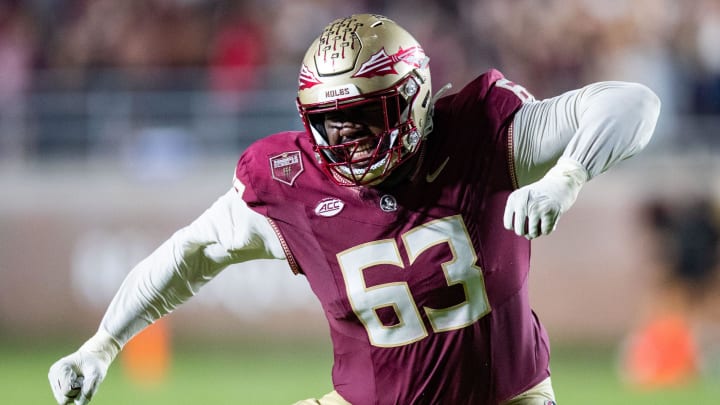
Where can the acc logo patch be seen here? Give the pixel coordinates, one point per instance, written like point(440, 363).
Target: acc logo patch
point(329, 207)
point(286, 167)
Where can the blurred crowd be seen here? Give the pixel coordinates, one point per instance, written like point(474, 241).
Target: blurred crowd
point(547, 45)
point(550, 44)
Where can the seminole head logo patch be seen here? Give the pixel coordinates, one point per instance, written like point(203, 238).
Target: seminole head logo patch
point(286, 167)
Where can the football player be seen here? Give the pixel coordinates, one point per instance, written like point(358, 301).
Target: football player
point(410, 213)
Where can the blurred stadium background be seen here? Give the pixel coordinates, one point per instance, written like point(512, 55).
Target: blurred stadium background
point(120, 121)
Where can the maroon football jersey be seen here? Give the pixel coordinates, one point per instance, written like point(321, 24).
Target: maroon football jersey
point(424, 290)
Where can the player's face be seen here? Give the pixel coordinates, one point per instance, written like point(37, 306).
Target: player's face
point(358, 126)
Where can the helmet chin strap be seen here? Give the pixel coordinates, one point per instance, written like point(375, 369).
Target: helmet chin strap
point(319, 138)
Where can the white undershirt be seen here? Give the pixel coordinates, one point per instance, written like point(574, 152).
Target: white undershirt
point(596, 126)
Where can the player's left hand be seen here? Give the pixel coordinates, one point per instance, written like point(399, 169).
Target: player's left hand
point(534, 210)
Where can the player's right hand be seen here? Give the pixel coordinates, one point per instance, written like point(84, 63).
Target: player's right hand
point(75, 378)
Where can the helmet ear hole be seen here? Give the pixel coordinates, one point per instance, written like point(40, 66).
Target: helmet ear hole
point(426, 99)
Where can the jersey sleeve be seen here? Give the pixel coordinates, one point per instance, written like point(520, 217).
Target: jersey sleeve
point(493, 98)
point(244, 182)
point(482, 112)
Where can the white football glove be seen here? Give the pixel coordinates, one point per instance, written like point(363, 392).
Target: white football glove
point(74, 379)
point(534, 210)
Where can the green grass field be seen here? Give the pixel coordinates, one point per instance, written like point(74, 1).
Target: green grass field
point(263, 374)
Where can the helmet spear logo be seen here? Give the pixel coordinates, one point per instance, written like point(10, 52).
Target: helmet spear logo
point(307, 78)
point(381, 63)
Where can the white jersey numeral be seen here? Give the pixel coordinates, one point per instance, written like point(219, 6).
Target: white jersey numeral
point(460, 269)
point(520, 91)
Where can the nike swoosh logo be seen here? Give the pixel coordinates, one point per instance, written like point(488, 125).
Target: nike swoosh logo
point(432, 176)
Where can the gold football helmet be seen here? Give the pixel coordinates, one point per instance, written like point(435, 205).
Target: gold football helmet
point(365, 61)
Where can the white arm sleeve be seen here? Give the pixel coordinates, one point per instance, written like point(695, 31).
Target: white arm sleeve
point(226, 233)
point(595, 126)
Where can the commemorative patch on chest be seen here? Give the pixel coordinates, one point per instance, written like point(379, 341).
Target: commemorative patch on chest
point(286, 167)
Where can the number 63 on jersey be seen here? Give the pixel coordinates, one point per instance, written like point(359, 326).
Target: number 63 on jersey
point(460, 269)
